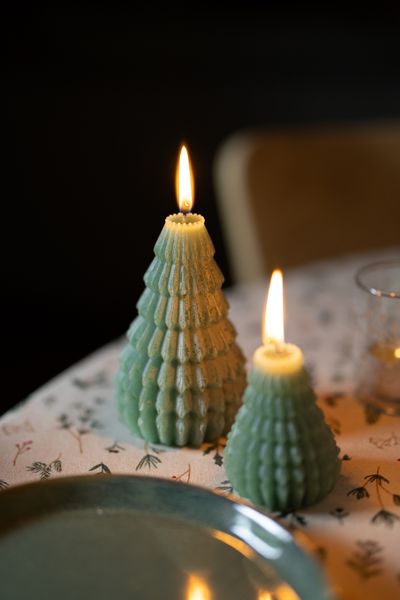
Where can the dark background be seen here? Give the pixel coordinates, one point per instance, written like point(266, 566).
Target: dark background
point(99, 98)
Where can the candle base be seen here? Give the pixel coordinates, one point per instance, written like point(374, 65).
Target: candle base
point(280, 452)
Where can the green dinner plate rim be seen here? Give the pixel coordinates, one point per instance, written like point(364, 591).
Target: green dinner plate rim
point(313, 585)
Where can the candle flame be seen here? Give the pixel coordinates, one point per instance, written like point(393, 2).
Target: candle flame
point(197, 589)
point(397, 353)
point(273, 324)
point(184, 182)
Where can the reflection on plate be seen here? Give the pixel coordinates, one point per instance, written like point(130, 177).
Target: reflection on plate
point(137, 537)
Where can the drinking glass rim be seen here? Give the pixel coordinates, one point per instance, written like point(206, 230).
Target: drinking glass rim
point(373, 290)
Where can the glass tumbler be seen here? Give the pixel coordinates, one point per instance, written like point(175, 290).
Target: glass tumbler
point(377, 344)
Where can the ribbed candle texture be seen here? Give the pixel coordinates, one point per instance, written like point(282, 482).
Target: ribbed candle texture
point(181, 375)
point(280, 452)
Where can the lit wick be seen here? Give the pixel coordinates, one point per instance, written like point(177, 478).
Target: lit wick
point(184, 183)
point(186, 207)
point(273, 330)
point(275, 356)
point(277, 346)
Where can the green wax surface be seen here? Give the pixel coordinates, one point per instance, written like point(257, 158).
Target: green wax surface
point(280, 452)
point(181, 375)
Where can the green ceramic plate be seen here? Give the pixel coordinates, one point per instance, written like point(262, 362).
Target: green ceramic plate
point(122, 537)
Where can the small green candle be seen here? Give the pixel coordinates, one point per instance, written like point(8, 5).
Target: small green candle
point(280, 452)
point(181, 375)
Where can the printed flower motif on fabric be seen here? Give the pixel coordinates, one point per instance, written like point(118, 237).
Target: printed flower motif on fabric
point(185, 476)
point(337, 377)
point(339, 513)
point(49, 400)
point(99, 400)
point(325, 317)
point(366, 559)
point(293, 520)
point(100, 379)
point(115, 448)
point(21, 449)
point(79, 422)
point(344, 349)
point(385, 442)
point(333, 398)
point(371, 414)
point(225, 487)
point(45, 470)
point(151, 461)
point(101, 469)
point(321, 553)
point(218, 457)
point(377, 483)
point(12, 428)
point(334, 424)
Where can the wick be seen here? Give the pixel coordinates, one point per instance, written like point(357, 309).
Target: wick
point(279, 347)
point(186, 207)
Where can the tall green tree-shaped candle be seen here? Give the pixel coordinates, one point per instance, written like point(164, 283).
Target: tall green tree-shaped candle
point(181, 375)
point(280, 452)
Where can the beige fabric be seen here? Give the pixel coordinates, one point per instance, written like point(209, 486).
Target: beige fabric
point(288, 197)
point(70, 426)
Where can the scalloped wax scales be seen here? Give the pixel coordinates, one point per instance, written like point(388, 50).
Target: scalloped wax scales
point(280, 452)
point(181, 375)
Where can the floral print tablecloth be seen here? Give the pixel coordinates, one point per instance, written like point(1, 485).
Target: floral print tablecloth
point(70, 426)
